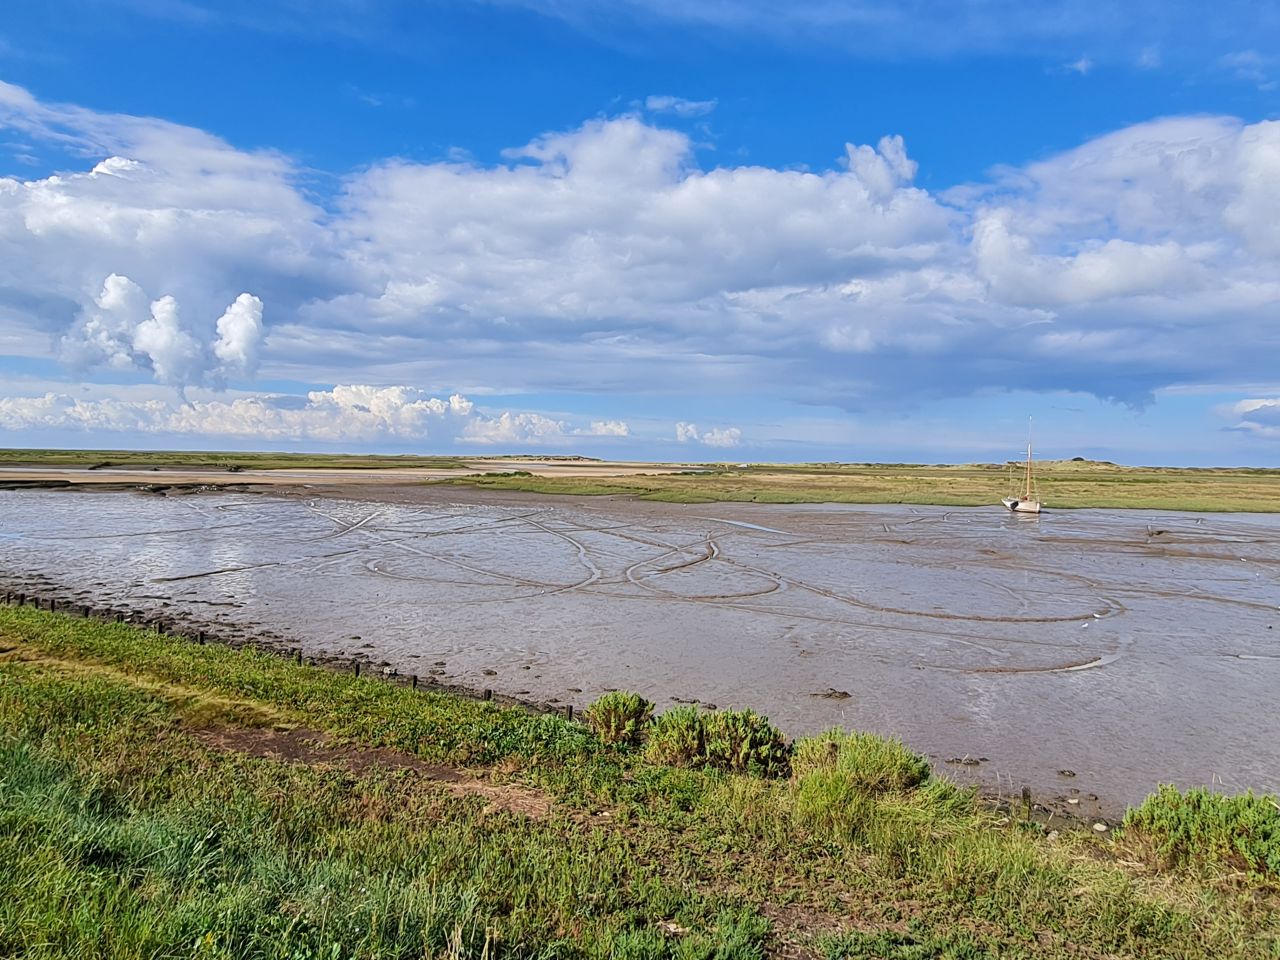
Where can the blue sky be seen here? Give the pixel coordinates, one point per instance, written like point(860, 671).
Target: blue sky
point(850, 229)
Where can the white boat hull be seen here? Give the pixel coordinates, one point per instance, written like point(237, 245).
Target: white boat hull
point(1022, 504)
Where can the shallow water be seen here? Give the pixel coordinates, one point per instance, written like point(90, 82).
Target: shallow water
point(1131, 648)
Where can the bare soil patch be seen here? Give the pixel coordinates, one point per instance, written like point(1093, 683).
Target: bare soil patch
point(316, 748)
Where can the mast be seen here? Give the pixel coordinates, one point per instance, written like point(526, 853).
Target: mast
point(1028, 494)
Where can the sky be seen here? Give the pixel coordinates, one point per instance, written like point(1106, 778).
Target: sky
point(706, 230)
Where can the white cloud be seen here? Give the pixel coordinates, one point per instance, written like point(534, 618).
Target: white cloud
point(609, 428)
point(1260, 417)
point(345, 414)
point(172, 209)
point(679, 106)
point(121, 332)
point(717, 437)
point(605, 259)
point(727, 437)
point(1081, 65)
point(239, 335)
point(173, 354)
point(510, 428)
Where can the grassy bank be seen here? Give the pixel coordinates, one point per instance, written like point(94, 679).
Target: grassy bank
point(164, 799)
point(1062, 485)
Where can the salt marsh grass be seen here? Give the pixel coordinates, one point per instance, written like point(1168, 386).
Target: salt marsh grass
point(125, 832)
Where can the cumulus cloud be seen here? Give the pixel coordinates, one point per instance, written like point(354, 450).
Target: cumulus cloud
point(717, 437)
point(509, 428)
point(609, 428)
point(347, 413)
point(240, 334)
point(121, 331)
point(172, 353)
point(727, 437)
point(606, 258)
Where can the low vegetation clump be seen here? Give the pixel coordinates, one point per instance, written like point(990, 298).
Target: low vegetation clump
point(160, 798)
point(676, 738)
point(742, 741)
point(1198, 828)
point(735, 741)
point(619, 718)
point(867, 762)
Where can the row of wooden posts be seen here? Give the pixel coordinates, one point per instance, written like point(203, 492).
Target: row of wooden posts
point(53, 605)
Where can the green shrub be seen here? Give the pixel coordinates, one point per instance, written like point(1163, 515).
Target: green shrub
point(1199, 828)
point(742, 741)
point(676, 738)
point(619, 717)
point(867, 762)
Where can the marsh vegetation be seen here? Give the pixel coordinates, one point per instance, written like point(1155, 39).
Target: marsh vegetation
point(1062, 484)
point(151, 805)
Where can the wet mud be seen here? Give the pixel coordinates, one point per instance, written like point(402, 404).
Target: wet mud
point(1086, 655)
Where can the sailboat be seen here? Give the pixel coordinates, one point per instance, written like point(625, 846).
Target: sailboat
point(1028, 502)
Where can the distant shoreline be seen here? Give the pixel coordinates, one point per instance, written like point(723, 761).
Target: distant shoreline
point(1062, 484)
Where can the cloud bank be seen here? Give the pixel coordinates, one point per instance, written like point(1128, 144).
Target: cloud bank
point(605, 258)
point(345, 414)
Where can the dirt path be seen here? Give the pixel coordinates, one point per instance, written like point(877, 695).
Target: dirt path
point(316, 748)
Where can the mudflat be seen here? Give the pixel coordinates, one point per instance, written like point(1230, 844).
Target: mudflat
point(1088, 654)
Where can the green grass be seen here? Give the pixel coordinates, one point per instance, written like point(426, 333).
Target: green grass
point(123, 833)
point(1199, 830)
point(1062, 485)
point(869, 763)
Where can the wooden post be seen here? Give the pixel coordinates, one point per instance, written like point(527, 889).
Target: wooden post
point(53, 605)
point(488, 694)
point(356, 664)
point(568, 713)
point(297, 656)
point(1026, 803)
point(413, 681)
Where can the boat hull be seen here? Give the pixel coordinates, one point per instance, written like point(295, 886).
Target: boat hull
point(1021, 504)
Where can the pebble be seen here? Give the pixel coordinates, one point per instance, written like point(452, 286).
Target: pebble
point(1100, 827)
